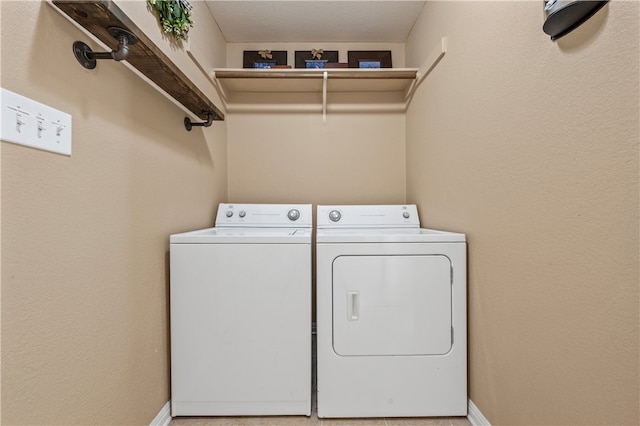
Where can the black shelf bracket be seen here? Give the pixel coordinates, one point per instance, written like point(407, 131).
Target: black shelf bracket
point(188, 124)
point(88, 57)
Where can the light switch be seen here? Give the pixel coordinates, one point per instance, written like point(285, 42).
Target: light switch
point(30, 123)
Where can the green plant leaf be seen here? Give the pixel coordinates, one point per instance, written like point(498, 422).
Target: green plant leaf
point(174, 16)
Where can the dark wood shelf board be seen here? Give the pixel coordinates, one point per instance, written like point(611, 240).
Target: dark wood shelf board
point(96, 16)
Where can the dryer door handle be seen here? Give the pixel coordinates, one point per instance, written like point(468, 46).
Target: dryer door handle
point(353, 306)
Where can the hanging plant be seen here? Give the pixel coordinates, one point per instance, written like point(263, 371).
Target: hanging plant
point(175, 16)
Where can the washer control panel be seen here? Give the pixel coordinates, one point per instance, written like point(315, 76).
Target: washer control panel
point(370, 216)
point(264, 215)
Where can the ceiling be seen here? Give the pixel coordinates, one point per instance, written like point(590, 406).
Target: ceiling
point(249, 21)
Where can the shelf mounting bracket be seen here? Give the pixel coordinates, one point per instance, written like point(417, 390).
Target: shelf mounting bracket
point(325, 76)
point(188, 124)
point(433, 58)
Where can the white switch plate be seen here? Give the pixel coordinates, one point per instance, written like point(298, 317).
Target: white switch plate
point(30, 123)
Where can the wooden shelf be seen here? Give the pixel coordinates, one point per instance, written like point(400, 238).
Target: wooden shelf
point(345, 89)
point(353, 89)
point(98, 15)
point(312, 80)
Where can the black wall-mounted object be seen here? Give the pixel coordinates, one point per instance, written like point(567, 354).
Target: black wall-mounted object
point(565, 16)
point(87, 57)
point(188, 124)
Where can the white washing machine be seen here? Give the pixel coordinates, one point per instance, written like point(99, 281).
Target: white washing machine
point(391, 314)
point(241, 313)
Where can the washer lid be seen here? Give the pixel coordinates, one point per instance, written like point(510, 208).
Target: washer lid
point(244, 236)
point(388, 235)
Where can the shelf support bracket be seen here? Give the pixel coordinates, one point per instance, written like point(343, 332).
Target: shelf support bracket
point(325, 76)
point(188, 124)
point(433, 58)
point(88, 57)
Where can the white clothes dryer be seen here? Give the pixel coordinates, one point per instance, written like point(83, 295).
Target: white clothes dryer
point(240, 298)
point(391, 315)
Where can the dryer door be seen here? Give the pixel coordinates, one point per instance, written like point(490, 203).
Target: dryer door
point(391, 305)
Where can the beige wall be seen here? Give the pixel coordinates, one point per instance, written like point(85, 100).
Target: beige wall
point(280, 150)
point(531, 148)
point(85, 238)
point(295, 157)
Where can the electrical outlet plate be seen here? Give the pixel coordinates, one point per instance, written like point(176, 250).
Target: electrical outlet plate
point(30, 123)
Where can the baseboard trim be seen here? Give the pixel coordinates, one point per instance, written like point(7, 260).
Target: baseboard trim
point(163, 418)
point(475, 416)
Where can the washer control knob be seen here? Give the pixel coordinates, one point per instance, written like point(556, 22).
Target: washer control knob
point(229, 213)
point(293, 214)
point(334, 215)
point(242, 213)
point(406, 215)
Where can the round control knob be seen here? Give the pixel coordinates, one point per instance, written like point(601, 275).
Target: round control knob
point(229, 213)
point(406, 215)
point(334, 215)
point(293, 214)
point(242, 213)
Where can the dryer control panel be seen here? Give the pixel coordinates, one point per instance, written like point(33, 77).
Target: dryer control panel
point(368, 216)
point(264, 215)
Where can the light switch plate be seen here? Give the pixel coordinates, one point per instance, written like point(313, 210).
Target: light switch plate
point(30, 123)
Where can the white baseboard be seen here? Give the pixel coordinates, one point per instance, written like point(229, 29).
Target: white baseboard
point(475, 417)
point(163, 418)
